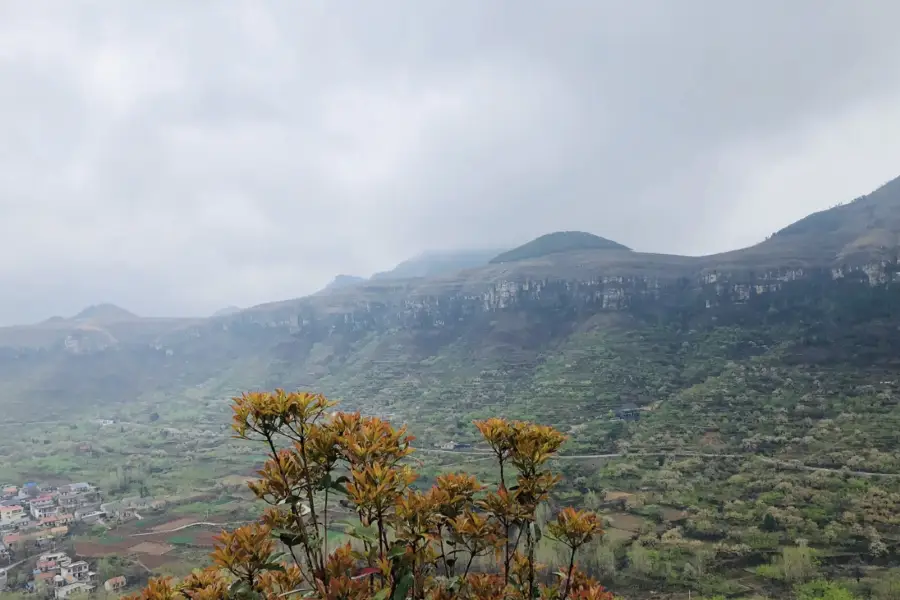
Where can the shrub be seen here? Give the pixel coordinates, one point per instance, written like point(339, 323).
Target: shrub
point(409, 543)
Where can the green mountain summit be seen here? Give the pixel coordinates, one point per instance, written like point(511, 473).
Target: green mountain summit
point(558, 242)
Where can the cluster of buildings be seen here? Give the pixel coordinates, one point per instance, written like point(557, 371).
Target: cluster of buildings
point(56, 572)
point(35, 513)
point(64, 576)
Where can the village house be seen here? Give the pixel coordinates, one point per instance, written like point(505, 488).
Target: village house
point(43, 506)
point(28, 490)
point(453, 445)
point(12, 516)
point(10, 540)
point(56, 570)
point(72, 588)
point(89, 515)
point(129, 508)
point(58, 532)
point(115, 584)
point(45, 580)
point(51, 562)
point(9, 491)
point(56, 520)
point(78, 494)
point(75, 571)
point(118, 510)
point(46, 566)
point(68, 501)
point(4, 552)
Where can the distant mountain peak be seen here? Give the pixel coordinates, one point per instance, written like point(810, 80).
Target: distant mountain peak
point(556, 242)
point(343, 281)
point(228, 310)
point(105, 312)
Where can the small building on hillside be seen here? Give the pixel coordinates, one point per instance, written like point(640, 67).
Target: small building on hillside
point(43, 506)
point(78, 571)
point(58, 532)
point(628, 412)
point(14, 541)
point(67, 590)
point(453, 445)
point(12, 516)
point(78, 494)
point(115, 584)
point(89, 515)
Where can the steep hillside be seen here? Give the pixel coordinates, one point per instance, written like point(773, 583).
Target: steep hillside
point(342, 281)
point(434, 264)
point(863, 230)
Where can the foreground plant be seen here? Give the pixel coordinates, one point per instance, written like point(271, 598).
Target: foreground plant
point(409, 544)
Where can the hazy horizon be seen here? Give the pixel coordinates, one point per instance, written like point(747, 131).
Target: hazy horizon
point(176, 158)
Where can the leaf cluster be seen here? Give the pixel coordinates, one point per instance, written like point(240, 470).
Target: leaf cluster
point(407, 543)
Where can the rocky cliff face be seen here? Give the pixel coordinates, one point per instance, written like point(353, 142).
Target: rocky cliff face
point(709, 289)
point(366, 345)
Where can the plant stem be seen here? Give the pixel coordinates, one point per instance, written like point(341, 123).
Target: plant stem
point(325, 537)
point(569, 574)
point(443, 552)
point(529, 542)
point(506, 550)
point(297, 516)
point(312, 505)
point(469, 564)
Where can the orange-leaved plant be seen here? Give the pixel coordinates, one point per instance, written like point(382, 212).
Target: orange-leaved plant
point(420, 544)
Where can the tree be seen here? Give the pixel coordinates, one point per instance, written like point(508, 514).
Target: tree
point(823, 590)
point(799, 563)
point(411, 544)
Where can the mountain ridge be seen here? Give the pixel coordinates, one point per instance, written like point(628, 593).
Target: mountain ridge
point(789, 249)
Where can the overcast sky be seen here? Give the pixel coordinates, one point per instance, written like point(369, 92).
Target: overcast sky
point(175, 157)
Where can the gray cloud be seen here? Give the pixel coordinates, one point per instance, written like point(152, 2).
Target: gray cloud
point(176, 157)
